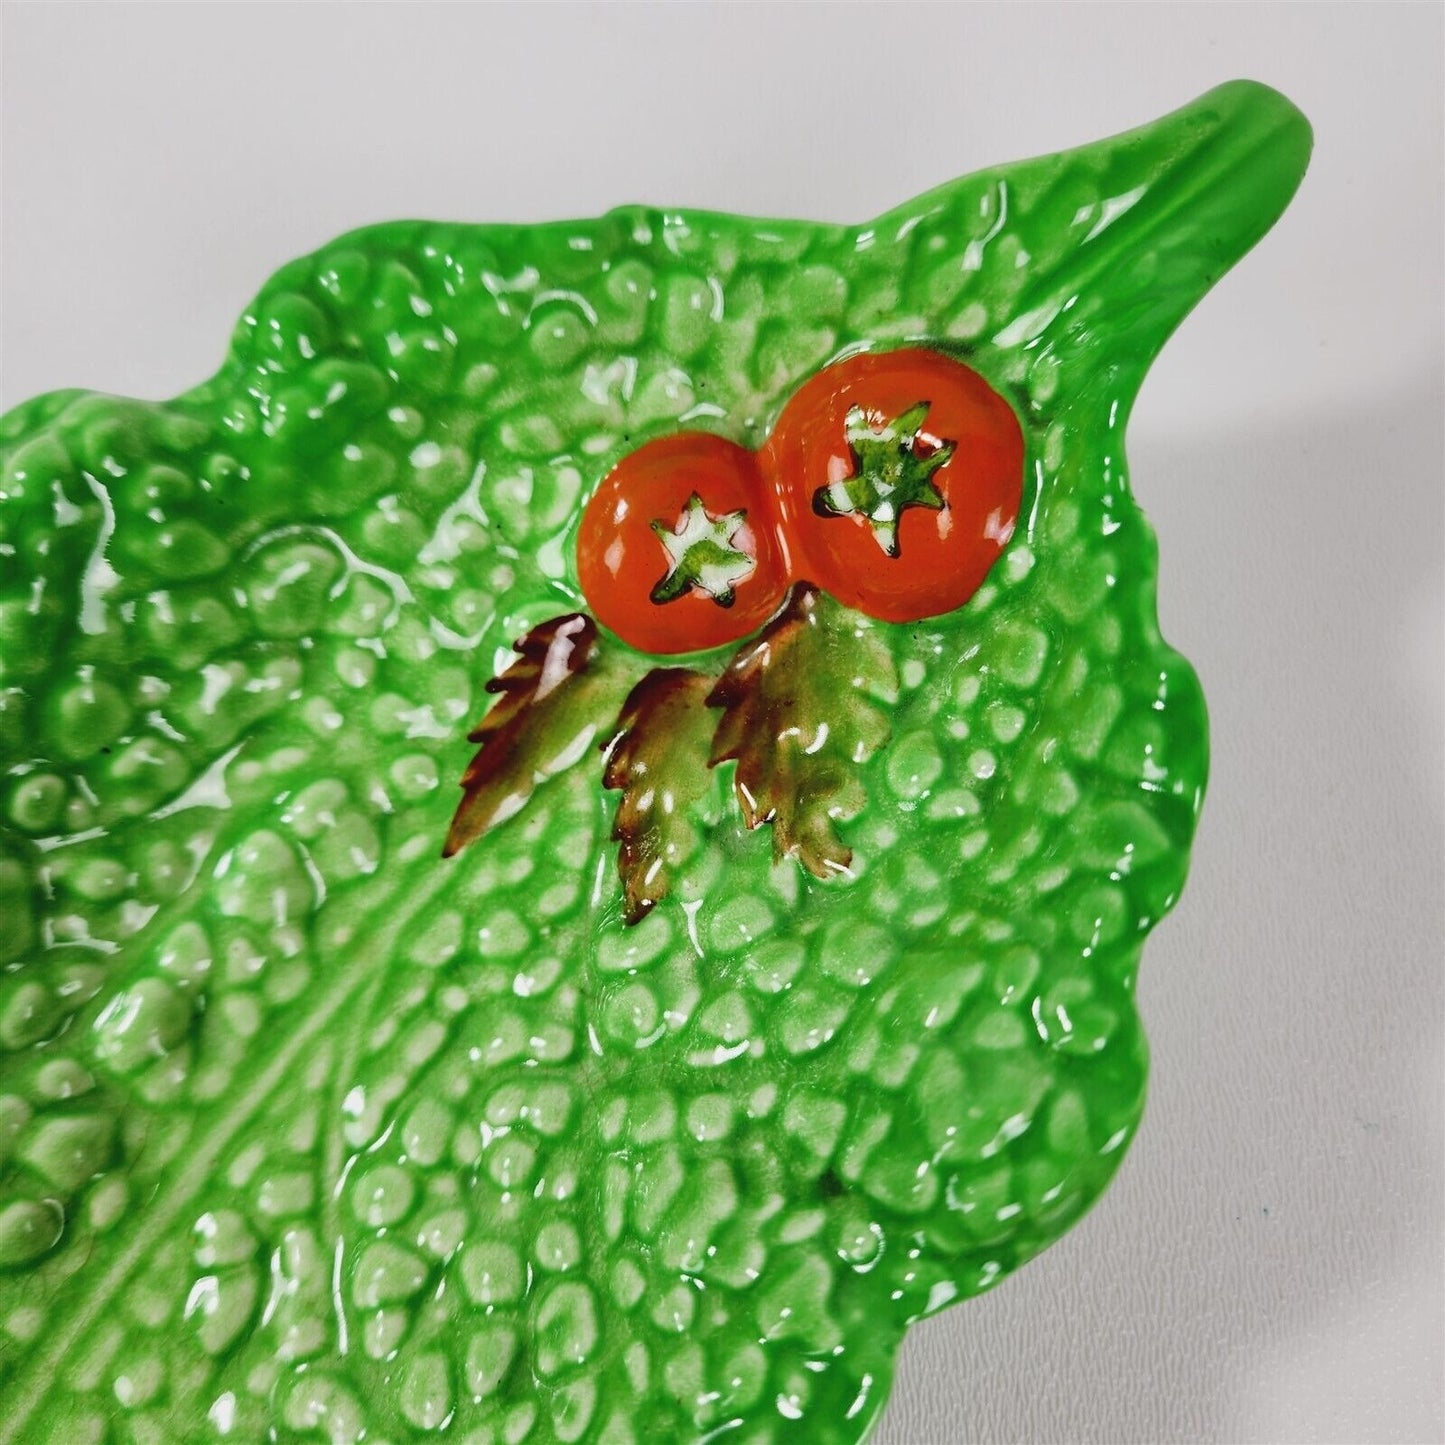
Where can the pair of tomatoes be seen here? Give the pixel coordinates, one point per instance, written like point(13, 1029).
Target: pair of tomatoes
point(892, 480)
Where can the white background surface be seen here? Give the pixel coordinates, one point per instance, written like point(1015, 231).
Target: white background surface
point(1268, 1265)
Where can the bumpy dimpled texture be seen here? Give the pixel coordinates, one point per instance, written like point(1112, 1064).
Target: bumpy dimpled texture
point(305, 1134)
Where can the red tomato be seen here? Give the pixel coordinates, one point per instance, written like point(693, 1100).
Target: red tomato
point(900, 475)
point(679, 547)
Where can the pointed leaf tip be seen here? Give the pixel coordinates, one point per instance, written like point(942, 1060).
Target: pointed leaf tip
point(1119, 239)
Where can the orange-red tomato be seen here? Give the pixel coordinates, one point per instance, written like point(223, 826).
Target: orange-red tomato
point(678, 549)
point(899, 476)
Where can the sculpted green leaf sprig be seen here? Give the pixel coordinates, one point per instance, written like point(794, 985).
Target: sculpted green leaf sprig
point(799, 709)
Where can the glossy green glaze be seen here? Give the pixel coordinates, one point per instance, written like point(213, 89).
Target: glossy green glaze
point(308, 1134)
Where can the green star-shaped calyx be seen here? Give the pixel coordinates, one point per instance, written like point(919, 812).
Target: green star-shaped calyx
point(889, 473)
point(702, 552)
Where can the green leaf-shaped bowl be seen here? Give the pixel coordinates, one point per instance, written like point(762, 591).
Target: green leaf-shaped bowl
point(306, 1133)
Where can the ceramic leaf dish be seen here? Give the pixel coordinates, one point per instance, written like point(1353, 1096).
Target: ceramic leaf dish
point(776, 593)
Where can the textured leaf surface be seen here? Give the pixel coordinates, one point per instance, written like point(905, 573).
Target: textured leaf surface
point(306, 1134)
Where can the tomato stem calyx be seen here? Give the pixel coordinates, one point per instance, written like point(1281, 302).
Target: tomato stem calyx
point(890, 474)
point(703, 552)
